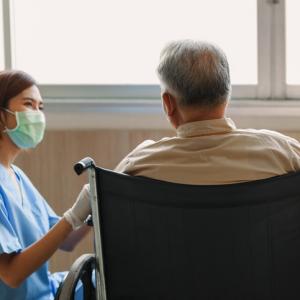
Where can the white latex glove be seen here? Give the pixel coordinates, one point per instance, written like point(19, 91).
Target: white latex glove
point(78, 213)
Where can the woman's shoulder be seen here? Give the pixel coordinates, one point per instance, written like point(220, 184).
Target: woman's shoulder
point(24, 179)
point(19, 172)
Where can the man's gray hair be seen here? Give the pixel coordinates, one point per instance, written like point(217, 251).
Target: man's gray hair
point(197, 72)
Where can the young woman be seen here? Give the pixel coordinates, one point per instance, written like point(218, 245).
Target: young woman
point(30, 231)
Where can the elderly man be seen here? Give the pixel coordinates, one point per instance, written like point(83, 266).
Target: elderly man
point(208, 148)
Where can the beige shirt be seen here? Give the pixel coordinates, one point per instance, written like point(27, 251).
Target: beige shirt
point(214, 152)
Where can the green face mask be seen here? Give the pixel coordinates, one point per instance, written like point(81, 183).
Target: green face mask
point(29, 130)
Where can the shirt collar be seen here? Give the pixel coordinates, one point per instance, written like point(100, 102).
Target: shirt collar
point(4, 173)
point(207, 127)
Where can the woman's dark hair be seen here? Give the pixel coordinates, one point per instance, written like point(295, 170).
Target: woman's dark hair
point(12, 83)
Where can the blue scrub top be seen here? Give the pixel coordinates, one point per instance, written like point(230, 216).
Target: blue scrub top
point(22, 224)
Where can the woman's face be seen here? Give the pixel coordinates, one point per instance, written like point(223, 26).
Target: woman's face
point(28, 99)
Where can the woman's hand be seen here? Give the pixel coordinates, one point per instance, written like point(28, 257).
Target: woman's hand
point(81, 209)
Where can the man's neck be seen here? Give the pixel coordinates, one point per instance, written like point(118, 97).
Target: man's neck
point(190, 114)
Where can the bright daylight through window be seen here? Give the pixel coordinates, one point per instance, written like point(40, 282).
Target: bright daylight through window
point(118, 42)
point(292, 42)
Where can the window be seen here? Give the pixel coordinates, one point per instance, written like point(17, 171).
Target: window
point(292, 42)
point(109, 49)
point(118, 42)
point(292, 49)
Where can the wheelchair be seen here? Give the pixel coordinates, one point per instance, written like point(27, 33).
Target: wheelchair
point(158, 240)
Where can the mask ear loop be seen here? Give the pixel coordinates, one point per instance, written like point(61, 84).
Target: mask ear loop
point(10, 112)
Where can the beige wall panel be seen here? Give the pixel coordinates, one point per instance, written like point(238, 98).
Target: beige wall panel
point(294, 134)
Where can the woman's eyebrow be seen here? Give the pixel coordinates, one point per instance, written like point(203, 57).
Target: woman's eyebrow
point(32, 99)
point(28, 98)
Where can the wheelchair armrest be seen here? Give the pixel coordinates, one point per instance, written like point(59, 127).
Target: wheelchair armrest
point(82, 270)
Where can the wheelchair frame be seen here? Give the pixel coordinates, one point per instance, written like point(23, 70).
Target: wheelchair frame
point(81, 166)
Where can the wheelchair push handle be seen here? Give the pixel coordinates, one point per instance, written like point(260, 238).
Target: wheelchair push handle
point(83, 164)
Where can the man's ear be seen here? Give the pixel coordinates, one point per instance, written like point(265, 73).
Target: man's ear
point(169, 104)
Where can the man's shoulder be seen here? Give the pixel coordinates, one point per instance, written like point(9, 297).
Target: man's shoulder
point(149, 148)
point(267, 134)
point(145, 144)
point(152, 144)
